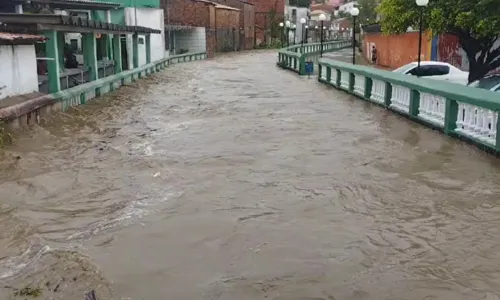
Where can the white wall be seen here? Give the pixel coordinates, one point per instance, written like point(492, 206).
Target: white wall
point(348, 6)
point(301, 12)
point(146, 17)
point(18, 70)
point(192, 40)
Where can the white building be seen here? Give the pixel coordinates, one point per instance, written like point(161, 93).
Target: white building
point(294, 14)
point(18, 64)
point(151, 18)
point(347, 7)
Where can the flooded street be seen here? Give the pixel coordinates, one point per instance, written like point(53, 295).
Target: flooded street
point(232, 179)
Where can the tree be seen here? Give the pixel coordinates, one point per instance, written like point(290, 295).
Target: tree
point(476, 24)
point(368, 11)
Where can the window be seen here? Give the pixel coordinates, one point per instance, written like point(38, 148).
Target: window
point(73, 43)
point(430, 70)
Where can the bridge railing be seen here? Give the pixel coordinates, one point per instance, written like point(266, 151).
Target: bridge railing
point(459, 111)
point(294, 57)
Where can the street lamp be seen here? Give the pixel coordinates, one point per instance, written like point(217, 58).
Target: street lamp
point(316, 33)
point(282, 33)
point(294, 27)
point(354, 14)
point(421, 4)
point(303, 22)
point(287, 24)
point(322, 18)
point(307, 36)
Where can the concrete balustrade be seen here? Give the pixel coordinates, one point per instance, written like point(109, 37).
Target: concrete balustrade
point(294, 57)
point(459, 111)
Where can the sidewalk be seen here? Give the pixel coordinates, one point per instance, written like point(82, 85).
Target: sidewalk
point(346, 56)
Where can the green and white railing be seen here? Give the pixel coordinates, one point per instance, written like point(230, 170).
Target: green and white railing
point(294, 57)
point(466, 113)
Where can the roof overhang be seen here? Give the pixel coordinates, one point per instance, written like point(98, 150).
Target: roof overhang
point(72, 4)
point(37, 23)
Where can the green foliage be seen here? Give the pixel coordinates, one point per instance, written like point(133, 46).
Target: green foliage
point(368, 11)
point(476, 23)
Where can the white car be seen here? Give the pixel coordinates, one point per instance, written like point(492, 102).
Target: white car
point(490, 82)
point(435, 70)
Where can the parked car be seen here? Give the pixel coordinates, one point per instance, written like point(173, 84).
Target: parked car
point(435, 70)
point(491, 82)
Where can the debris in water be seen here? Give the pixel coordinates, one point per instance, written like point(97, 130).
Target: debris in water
point(29, 291)
point(91, 296)
point(157, 174)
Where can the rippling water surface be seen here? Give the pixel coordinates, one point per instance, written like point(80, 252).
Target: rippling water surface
point(230, 179)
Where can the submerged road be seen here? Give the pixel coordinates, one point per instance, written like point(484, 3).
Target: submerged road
point(232, 179)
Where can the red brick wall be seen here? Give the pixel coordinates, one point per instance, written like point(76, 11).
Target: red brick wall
point(268, 5)
point(187, 12)
point(246, 20)
point(226, 18)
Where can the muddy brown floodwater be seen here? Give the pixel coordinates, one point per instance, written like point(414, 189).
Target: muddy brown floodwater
point(231, 179)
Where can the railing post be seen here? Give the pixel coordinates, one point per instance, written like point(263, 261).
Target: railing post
point(450, 116)
point(302, 65)
point(414, 103)
point(368, 87)
point(497, 138)
point(352, 78)
point(320, 70)
point(337, 81)
point(328, 74)
point(388, 94)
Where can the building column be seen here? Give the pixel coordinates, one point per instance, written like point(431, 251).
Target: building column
point(61, 43)
point(135, 50)
point(52, 49)
point(90, 55)
point(148, 48)
point(117, 53)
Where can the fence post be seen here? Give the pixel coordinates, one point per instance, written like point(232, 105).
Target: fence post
point(450, 117)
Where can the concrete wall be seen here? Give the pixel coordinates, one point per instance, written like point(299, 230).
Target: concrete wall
point(147, 17)
point(192, 40)
point(396, 50)
point(18, 70)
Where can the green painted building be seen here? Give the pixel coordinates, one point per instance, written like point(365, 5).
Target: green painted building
point(135, 3)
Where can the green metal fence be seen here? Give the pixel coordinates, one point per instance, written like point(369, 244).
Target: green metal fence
point(294, 57)
point(459, 111)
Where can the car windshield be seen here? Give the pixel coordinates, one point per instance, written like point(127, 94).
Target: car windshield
point(486, 83)
point(404, 68)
